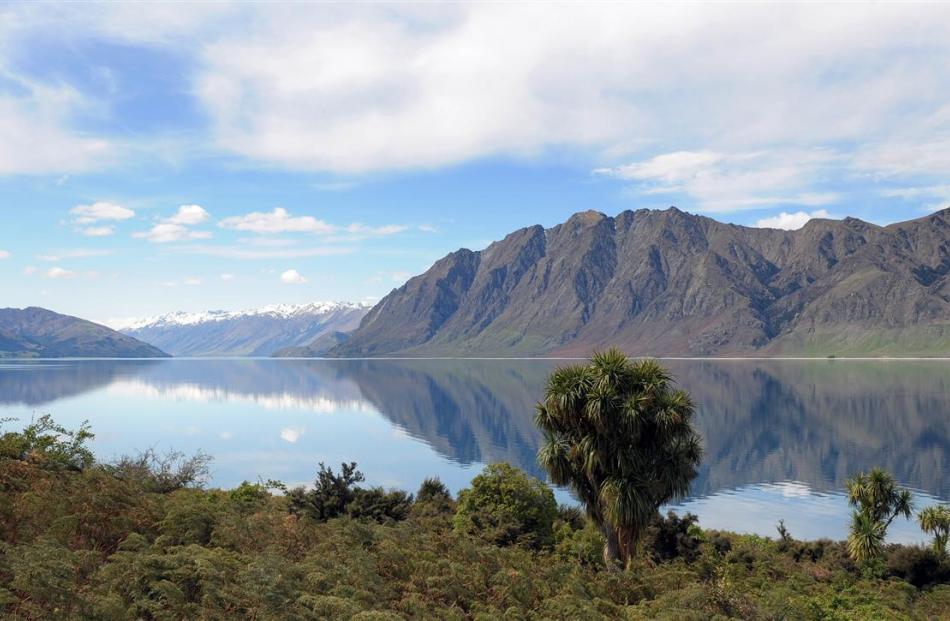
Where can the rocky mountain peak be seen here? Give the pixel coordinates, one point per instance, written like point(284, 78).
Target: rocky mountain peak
point(666, 282)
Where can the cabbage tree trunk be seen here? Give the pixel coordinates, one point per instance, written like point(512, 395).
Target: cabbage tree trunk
point(612, 552)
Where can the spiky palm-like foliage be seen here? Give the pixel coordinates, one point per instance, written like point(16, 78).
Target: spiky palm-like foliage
point(866, 539)
point(877, 500)
point(621, 436)
point(936, 521)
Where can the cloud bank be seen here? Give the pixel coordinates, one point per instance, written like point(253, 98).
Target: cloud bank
point(731, 107)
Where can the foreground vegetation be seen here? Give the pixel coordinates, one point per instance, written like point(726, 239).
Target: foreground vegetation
point(139, 539)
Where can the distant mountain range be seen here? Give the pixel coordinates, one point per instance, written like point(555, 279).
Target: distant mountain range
point(319, 347)
point(39, 333)
point(671, 283)
point(256, 332)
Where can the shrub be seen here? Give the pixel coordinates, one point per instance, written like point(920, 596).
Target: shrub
point(572, 516)
point(433, 498)
point(330, 495)
point(506, 506)
point(249, 496)
point(46, 572)
point(720, 544)
point(190, 518)
point(674, 537)
point(163, 473)
point(433, 490)
point(812, 551)
point(380, 505)
point(48, 445)
point(335, 495)
point(88, 545)
point(918, 566)
point(583, 545)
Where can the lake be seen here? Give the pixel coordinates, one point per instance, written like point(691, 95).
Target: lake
point(781, 436)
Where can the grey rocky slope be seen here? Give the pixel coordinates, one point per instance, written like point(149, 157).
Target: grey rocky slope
point(257, 332)
point(671, 283)
point(319, 347)
point(39, 333)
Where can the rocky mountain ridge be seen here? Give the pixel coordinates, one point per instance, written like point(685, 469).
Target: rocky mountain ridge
point(675, 284)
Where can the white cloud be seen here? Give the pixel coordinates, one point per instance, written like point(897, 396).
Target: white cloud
point(721, 182)
point(98, 231)
point(929, 191)
point(387, 229)
point(428, 228)
point(193, 282)
point(670, 169)
point(377, 87)
point(188, 215)
point(165, 232)
point(929, 198)
point(292, 277)
point(35, 132)
point(291, 434)
point(176, 228)
point(4, 254)
point(791, 221)
point(59, 273)
point(277, 221)
point(227, 277)
point(98, 211)
point(399, 87)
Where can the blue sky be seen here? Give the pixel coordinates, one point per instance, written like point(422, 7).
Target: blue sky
point(159, 157)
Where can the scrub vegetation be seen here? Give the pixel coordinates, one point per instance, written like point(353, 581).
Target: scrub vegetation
point(141, 538)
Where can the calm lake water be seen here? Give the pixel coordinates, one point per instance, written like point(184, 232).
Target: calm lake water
point(781, 437)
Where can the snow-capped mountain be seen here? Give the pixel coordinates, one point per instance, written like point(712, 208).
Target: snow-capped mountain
point(253, 332)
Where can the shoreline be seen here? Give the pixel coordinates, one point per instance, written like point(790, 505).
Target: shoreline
point(519, 358)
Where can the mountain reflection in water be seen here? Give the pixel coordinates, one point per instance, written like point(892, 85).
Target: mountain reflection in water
point(764, 423)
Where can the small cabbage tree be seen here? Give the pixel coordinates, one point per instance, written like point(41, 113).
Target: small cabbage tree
point(877, 500)
point(936, 521)
point(621, 437)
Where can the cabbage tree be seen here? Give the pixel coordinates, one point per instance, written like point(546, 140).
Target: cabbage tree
point(936, 521)
point(620, 435)
point(877, 500)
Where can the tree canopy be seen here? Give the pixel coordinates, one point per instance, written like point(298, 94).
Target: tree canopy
point(620, 435)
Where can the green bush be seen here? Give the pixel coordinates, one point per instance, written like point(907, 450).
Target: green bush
point(330, 495)
point(506, 506)
point(571, 515)
point(433, 490)
point(163, 473)
point(48, 445)
point(433, 499)
point(380, 505)
point(584, 545)
point(674, 537)
point(919, 566)
point(249, 496)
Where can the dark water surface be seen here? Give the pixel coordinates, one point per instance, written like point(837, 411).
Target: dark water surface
point(781, 437)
